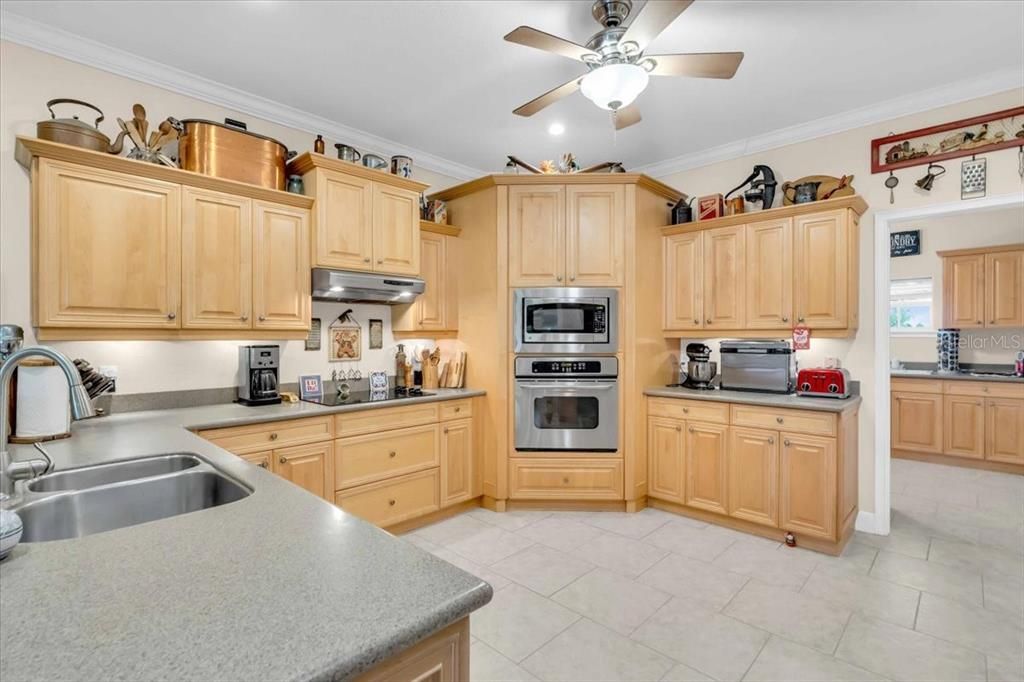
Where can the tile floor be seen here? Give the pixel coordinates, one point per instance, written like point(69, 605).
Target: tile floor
point(654, 596)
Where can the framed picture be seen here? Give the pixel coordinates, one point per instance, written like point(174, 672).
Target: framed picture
point(966, 137)
point(906, 243)
point(346, 339)
point(313, 338)
point(376, 334)
point(310, 386)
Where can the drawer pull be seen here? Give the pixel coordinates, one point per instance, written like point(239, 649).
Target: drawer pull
point(392, 454)
point(984, 389)
point(978, 404)
point(264, 465)
point(446, 429)
point(283, 460)
point(458, 409)
point(565, 480)
point(273, 436)
point(779, 420)
point(686, 410)
point(391, 503)
point(786, 442)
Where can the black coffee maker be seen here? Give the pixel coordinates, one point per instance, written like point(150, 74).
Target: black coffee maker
point(257, 375)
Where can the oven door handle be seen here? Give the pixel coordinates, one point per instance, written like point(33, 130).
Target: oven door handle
point(567, 386)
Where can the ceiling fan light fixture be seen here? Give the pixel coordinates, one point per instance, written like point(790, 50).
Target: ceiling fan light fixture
point(614, 86)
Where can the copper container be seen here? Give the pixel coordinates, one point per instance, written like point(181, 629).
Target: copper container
point(228, 150)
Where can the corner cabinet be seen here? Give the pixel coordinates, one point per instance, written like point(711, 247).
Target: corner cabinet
point(364, 219)
point(751, 274)
point(436, 310)
point(129, 250)
point(984, 287)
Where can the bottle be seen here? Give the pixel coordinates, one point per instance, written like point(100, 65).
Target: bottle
point(318, 144)
point(400, 367)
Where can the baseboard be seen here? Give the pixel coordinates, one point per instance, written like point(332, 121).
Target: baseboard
point(866, 523)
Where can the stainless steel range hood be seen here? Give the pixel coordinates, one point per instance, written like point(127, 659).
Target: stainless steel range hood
point(364, 287)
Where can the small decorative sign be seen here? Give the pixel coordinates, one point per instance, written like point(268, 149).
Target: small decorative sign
point(376, 334)
point(710, 207)
point(907, 243)
point(378, 381)
point(801, 337)
point(310, 387)
point(313, 338)
point(346, 339)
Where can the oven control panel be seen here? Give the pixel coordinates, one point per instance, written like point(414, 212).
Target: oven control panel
point(566, 367)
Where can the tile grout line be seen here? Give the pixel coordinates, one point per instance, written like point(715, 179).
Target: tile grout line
point(843, 633)
point(754, 660)
point(917, 610)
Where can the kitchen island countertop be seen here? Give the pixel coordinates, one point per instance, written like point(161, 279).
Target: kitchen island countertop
point(951, 376)
point(280, 585)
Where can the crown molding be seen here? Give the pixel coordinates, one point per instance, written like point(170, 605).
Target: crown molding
point(913, 103)
point(76, 48)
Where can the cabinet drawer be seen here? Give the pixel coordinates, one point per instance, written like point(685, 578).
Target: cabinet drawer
point(395, 500)
point(697, 410)
point(362, 459)
point(254, 437)
point(984, 389)
point(566, 479)
point(456, 409)
point(819, 423)
point(372, 421)
point(915, 385)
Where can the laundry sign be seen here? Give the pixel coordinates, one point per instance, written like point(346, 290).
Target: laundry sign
point(906, 243)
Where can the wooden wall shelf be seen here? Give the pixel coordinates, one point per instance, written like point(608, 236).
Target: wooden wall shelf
point(855, 202)
point(28, 148)
point(438, 228)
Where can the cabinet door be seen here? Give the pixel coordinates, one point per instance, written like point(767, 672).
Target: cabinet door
point(754, 475)
point(536, 236)
point(108, 249)
point(1004, 289)
point(396, 230)
point(964, 426)
point(724, 278)
point(431, 313)
point(683, 272)
point(916, 422)
point(706, 480)
point(595, 235)
point(263, 459)
point(308, 466)
point(281, 273)
point(963, 291)
point(821, 267)
point(1004, 430)
point(666, 459)
point(343, 228)
point(807, 485)
point(216, 267)
point(769, 294)
point(456, 461)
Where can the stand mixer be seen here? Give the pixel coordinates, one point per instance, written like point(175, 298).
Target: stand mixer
point(700, 370)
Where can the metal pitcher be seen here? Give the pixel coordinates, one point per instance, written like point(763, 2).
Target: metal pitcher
point(804, 193)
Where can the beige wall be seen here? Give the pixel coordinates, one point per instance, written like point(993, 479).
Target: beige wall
point(28, 79)
point(962, 231)
point(846, 153)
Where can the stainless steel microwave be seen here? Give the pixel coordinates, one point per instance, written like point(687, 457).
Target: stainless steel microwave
point(565, 320)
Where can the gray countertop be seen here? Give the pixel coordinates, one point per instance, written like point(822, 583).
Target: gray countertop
point(748, 398)
point(280, 585)
point(932, 374)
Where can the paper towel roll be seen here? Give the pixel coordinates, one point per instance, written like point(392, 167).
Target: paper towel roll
point(43, 409)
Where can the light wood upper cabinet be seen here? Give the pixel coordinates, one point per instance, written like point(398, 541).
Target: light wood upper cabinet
point(308, 466)
point(457, 469)
point(216, 265)
point(769, 274)
point(666, 460)
point(964, 426)
point(396, 230)
point(821, 264)
point(595, 234)
point(281, 272)
point(807, 488)
point(107, 247)
point(706, 467)
point(536, 236)
point(683, 256)
point(342, 225)
point(1004, 432)
point(437, 308)
point(1004, 289)
point(916, 422)
point(963, 291)
point(724, 278)
point(753, 467)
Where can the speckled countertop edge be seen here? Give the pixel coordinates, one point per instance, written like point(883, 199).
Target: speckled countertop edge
point(929, 374)
point(790, 401)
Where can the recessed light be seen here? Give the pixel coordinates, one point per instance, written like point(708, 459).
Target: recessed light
point(556, 129)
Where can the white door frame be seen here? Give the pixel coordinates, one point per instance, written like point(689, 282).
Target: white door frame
point(883, 219)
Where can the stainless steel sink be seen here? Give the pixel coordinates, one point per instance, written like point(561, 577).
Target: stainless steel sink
point(79, 502)
point(114, 472)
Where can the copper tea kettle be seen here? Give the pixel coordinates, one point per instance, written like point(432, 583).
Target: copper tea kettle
point(78, 133)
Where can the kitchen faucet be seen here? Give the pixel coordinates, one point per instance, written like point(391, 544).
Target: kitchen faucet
point(81, 408)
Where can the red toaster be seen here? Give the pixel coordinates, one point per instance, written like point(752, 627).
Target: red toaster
point(823, 382)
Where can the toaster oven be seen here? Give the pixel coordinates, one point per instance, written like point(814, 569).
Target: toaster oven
point(757, 365)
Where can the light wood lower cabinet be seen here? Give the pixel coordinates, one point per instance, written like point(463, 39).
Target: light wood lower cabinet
point(916, 422)
point(706, 478)
point(807, 485)
point(753, 465)
point(442, 657)
point(666, 445)
point(963, 426)
point(368, 458)
point(535, 478)
point(457, 467)
point(307, 466)
point(393, 500)
point(1004, 430)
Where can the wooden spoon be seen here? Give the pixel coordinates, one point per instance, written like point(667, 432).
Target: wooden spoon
point(139, 112)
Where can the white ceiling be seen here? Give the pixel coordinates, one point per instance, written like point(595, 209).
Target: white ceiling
point(438, 77)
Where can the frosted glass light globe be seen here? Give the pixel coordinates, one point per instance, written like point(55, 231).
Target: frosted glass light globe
point(614, 86)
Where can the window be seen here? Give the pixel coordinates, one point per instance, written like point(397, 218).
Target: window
point(910, 305)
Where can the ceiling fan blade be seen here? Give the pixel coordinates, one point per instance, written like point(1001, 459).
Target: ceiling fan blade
point(703, 65)
point(654, 17)
point(626, 116)
point(531, 37)
point(549, 97)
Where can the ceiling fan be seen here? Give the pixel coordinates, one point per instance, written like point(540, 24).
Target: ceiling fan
point(618, 68)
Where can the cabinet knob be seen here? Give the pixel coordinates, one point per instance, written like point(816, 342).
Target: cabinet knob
point(679, 428)
point(273, 436)
point(572, 278)
point(779, 420)
point(245, 318)
point(262, 318)
point(392, 454)
point(391, 503)
point(380, 261)
point(991, 321)
point(458, 409)
point(565, 480)
point(771, 441)
point(446, 429)
point(686, 410)
point(978, 404)
point(366, 260)
point(690, 429)
point(696, 321)
point(785, 319)
point(171, 316)
point(786, 442)
point(264, 464)
point(283, 460)
point(800, 319)
point(979, 322)
point(984, 389)
point(559, 278)
point(707, 321)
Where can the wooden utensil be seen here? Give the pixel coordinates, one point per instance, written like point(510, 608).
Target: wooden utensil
point(139, 112)
point(132, 132)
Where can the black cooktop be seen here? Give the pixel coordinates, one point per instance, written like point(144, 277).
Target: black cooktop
point(333, 398)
